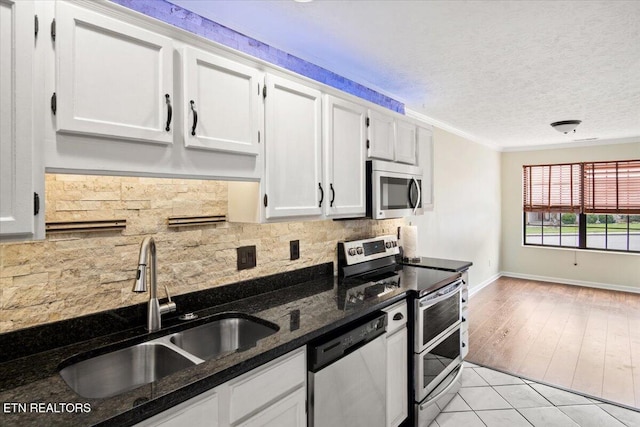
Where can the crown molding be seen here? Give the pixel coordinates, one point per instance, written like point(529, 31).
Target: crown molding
point(452, 129)
point(574, 144)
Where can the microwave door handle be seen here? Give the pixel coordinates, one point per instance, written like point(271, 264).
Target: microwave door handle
point(419, 201)
point(415, 208)
point(409, 196)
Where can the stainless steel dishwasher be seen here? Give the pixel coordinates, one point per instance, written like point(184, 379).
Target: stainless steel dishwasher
point(347, 376)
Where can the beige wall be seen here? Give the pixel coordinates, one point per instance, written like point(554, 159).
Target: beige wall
point(465, 221)
point(69, 275)
point(622, 270)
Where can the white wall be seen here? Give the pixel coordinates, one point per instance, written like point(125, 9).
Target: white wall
point(465, 221)
point(614, 270)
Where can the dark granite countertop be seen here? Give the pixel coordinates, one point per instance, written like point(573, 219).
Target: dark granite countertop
point(30, 359)
point(438, 263)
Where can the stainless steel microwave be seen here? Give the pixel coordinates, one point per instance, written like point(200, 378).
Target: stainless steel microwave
point(394, 190)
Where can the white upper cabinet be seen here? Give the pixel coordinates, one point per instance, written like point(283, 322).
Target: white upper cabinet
point(223, 103)
point(16, 117)
point(382, 135)
point(391, 137)
point(405, 147)
point(345, 155)
point(114, 79)
point(293, 148)
point(425, 161)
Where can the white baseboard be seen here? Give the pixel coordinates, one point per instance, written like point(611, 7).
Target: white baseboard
point(477, 288)
point(597, 285)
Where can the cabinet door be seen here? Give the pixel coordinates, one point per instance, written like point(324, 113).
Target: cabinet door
point(200, 411)
point(225, 97)
point(113, 79)
point(382, 135)
point(293, 149)
point(16, 115)
point(425, 161)
point(345, 142)
point(405, 142)
point(397, 372)
point(287, 412)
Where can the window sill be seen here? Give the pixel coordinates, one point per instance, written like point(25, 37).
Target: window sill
point(564, 248)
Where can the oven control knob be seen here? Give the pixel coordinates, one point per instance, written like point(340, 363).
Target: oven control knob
point(352, 251)
point(395, 244)
point(360, 250)
point(388, 245)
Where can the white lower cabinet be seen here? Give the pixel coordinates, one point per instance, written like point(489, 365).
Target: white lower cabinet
point(202, 410)
point(272, 395)
point(287, 412)
point(260, 389)
point(397, 364)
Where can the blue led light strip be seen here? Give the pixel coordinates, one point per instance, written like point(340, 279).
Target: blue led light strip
point(189, 21)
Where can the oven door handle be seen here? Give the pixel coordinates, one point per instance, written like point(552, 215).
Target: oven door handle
point(445, 391)
point(426, 302)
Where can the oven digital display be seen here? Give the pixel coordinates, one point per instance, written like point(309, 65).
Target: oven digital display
point(371, 248)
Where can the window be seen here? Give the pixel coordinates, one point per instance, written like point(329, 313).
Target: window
point(593, 205)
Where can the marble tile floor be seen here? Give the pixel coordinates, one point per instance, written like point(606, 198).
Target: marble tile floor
point(490, 398)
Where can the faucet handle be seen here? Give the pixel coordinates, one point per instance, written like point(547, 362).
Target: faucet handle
point(168, 306)
point(167, 291)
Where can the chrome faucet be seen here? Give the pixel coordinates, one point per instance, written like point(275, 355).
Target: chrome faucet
point(156, 310)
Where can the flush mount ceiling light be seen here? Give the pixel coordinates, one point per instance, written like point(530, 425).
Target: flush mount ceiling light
point(566, 126)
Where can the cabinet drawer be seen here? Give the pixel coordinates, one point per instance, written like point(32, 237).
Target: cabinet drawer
point(201, 410)
point(268, 383)
point(396, 316)
point(287, 412)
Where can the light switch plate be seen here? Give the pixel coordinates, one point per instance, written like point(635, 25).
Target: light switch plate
point(294, 249)
point(246, 257)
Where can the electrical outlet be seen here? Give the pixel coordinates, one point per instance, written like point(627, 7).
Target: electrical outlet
point(294, 249)
point(246, 257)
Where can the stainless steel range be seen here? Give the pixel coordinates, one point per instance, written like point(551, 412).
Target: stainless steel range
point(435, 346)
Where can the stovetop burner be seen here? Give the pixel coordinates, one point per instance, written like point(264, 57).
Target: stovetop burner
point(353, 292)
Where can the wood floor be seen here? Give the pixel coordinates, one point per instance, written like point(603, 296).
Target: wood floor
point(583, 339)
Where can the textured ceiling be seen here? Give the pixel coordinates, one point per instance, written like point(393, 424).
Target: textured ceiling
point(496, 71)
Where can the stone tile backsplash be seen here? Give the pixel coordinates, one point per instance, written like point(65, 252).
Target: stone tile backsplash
point(73, 274)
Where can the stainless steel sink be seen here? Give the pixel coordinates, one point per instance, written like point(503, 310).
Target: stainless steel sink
point(113, 373)
point(222, 336)
point(122, 370)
